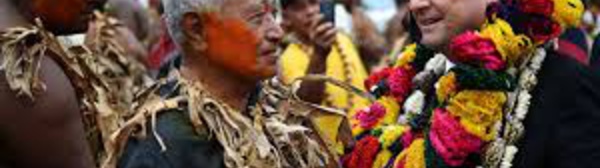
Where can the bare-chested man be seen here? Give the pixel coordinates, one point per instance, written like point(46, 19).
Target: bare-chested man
point(43, 129)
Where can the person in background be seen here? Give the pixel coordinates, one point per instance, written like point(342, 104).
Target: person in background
point(319, 49)
point(396, 33)
point(133, 16)
point(370, 42)
point(163, 54)
point(593, 26)
point(574, 43)
point(136, 28)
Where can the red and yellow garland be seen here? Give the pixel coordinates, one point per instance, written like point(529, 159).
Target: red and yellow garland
point(470, 100)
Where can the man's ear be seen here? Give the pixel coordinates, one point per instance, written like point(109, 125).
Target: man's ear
point(192, 27)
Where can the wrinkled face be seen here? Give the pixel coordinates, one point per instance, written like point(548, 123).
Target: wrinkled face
point(440, 20)
point(298, 13)
point(243, 38)
point(61, 16)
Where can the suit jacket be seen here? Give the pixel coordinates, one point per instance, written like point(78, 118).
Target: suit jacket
point(562, 128)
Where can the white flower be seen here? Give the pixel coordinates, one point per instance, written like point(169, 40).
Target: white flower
point(436, 64)
point(509, 155)
point(527, 81)
point(525, 78)
point(402, 119)
point(522, 105)
point(536, 61)
point(415, 102)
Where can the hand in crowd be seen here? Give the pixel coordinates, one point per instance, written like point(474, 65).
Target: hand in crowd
point(322, 34)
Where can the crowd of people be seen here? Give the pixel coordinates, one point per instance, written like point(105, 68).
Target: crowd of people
point(299, 83)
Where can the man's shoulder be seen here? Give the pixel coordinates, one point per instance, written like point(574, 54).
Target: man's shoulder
point(563, 116)
point(57, 95)
point(563, 83)
point(562, 71)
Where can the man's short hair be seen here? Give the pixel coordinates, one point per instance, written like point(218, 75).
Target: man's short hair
point(286, 3)
point(175, 9)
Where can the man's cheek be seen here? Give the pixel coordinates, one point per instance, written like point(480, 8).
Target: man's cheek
point(231, 43)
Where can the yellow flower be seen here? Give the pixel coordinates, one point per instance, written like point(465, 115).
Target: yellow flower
point(392, 109)
point(414, 155)
point(447, 87)
point(478, 110)
point(407, 56)
point(390, 134)
point(568, 13)
point(485, 132)
point(382, 158)
point(510, 46)
point(356, 130)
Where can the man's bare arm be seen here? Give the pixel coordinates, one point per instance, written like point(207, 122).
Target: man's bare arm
point(323, 35)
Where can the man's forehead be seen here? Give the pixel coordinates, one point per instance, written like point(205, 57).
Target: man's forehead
point(269, 2)
point(250, 5)
point(263, 2)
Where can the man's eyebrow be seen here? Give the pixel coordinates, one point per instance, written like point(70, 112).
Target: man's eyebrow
point(253, 9)
point(258, 7)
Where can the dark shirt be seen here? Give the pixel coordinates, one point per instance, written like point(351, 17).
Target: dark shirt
point(185, 147)
point(562, 128)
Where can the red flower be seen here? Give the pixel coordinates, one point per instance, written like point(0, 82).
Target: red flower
point(369, 117)
point(376, 77)
point(540, 7)
point(400, 82)
point(541, 29)
point(450, 140)
point(473, 49)
point(408, 138)
point(364, 153)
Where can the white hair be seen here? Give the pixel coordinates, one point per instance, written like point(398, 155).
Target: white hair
point(175, 10)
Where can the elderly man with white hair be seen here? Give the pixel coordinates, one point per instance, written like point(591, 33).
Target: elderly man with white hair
point(231, 110)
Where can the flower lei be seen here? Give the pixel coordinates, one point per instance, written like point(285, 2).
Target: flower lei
point(475, 116)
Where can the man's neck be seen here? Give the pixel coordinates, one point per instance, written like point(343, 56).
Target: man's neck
point(10, 16)
point(225, 86)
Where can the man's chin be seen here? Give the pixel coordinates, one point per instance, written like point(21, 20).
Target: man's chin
point(257, 74)
point(434, 42)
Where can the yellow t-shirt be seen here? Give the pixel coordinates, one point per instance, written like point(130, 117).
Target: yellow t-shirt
point(294, 64)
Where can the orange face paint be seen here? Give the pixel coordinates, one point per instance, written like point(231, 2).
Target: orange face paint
point(61, 15)
point(232, 44)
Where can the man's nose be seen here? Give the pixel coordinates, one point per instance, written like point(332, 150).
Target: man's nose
point(275, 33)
point(418, 5)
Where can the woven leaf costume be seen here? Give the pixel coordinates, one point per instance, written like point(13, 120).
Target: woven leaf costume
point(103, 78)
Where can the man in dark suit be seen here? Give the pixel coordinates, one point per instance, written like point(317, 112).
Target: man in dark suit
point(561, 128)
